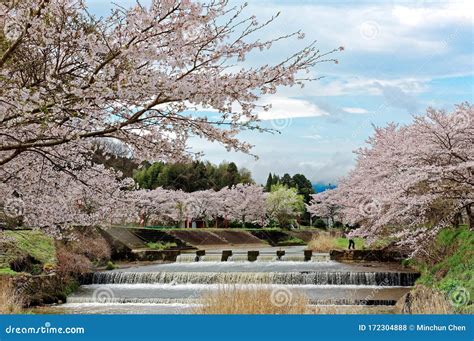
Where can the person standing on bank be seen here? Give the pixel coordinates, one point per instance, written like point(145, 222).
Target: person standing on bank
point(351, 241)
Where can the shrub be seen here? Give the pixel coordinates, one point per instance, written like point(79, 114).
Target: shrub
point(48, 267)
point(290, 240)
point(88, 243)
point(319, 223)
point(161, 245)
point(110, 265)
point(70, 263)
point(26, 263)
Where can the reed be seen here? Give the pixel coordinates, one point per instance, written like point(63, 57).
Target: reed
point(424, 300)
point(322, 242)
point(257, 300)
point(232, 300)
point(10, 303)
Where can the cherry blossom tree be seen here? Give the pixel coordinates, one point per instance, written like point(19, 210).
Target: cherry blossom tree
point(224, 207)
point(62, 200)
point(325, 205)
point(247, 203)
point(202, 205)
point(145, 206)
point(137, 77)
point(413, 180)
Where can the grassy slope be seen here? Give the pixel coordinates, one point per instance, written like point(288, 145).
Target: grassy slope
point(452, 265)
point(343, 243)
point(160, 245)
point(34, 243)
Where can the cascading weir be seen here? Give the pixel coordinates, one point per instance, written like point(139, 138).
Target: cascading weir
point(191, 258)
point(291, 278)
point(182, 284)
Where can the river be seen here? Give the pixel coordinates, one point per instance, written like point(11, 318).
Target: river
point(176, 288)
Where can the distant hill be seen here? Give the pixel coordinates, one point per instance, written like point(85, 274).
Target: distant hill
point(318, 188)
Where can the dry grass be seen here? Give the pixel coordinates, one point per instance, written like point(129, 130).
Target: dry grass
point(9, 302)
point(232, 300)
point(423, 300)
point(323, 242)
point(258, 300)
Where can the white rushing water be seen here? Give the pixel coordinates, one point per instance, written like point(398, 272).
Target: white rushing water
point(178, 287)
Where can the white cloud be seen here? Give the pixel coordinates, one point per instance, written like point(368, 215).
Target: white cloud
point(285, 107)
point(312, 137)
point(443, 13)
point(351, 110)
point(369, 28)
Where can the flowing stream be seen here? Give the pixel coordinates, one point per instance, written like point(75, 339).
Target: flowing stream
point(178, 287)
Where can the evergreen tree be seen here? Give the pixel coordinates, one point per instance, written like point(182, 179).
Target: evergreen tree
point(268, 186)
point(287, 181)
point(304, 186)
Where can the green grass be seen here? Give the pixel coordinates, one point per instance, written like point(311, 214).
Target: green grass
point(453, 268)
point(34, 243)
point(160, 245)
point(6, 271)
point(343, 243)
point(290, 241)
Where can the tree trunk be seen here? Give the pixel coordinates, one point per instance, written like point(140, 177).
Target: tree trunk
point(470, 217)
point(456, 220)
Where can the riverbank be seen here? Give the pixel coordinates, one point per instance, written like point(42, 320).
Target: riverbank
point(448, 266)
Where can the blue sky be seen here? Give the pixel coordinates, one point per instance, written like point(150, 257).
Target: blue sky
point(400, 57)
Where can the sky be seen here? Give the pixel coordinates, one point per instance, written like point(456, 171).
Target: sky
point(399, 58)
